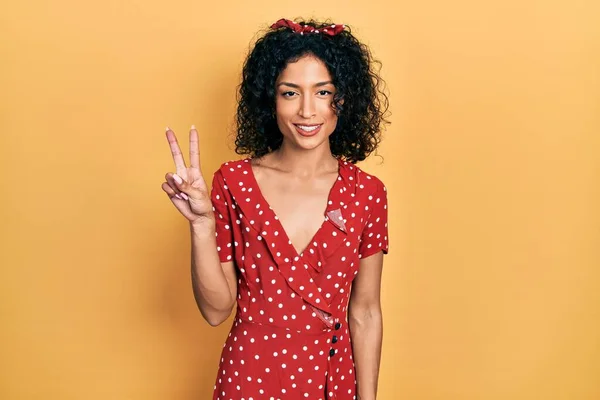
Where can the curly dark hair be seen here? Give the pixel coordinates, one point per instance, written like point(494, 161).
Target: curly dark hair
point(358, 87)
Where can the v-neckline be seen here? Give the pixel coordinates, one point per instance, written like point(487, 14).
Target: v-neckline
point(296, 254)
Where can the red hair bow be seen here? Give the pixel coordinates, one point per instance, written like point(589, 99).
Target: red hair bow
point(330, 30)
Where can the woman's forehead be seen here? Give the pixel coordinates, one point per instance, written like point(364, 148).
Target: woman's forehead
point(308, 70)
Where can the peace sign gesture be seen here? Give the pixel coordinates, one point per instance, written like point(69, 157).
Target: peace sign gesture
point(187, 188)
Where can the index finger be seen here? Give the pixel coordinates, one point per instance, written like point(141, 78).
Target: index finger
point(175, 151)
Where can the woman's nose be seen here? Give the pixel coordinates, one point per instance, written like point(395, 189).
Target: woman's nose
point(307, 107)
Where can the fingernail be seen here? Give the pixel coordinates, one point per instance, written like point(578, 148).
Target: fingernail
point(178, 196)
point(168, 129)
point(177, 179)
point(185, 196)
point(194, 127)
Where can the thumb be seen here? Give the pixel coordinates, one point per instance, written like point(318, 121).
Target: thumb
point(182, 185)
point(187, 188)
point(178, 179)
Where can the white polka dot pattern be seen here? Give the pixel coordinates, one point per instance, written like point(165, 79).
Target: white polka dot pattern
point(290, 337)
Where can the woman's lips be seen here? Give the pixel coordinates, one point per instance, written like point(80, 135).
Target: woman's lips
point(308, 133)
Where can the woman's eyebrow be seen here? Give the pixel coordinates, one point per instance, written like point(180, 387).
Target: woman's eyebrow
point(298, 87)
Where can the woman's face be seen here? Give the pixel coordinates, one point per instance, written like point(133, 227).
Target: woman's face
point(304, 103)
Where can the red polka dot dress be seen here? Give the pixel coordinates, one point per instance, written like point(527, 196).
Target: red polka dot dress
point(290, 336)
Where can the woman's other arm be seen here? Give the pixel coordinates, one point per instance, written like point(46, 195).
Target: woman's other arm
point(366, 325)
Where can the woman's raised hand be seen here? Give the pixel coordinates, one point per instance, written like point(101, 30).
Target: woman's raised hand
point(186, 187)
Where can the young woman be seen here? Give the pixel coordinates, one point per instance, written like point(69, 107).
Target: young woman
point(295, 233)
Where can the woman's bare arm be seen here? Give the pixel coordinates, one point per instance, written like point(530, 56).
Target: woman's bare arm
point(366, 325)
point(213, 282)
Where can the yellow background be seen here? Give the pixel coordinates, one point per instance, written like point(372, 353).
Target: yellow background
point(491, 288)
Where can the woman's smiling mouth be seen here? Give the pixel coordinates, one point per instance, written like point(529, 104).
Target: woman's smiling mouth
point(308, 130)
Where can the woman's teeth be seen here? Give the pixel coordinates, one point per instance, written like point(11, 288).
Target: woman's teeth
point(308, 128)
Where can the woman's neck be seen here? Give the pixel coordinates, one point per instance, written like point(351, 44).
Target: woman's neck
point(302, 163)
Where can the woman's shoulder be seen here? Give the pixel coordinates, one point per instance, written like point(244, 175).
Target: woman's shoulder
point(231, 166)
point(228, 172)
point(365, 181)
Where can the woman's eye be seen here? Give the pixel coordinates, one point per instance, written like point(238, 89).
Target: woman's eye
point(324, 92)
point(288, 94)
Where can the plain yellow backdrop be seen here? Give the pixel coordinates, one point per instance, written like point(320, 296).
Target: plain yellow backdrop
point(492, 161)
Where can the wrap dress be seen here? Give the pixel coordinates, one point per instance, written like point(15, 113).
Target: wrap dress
point(290, 338)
